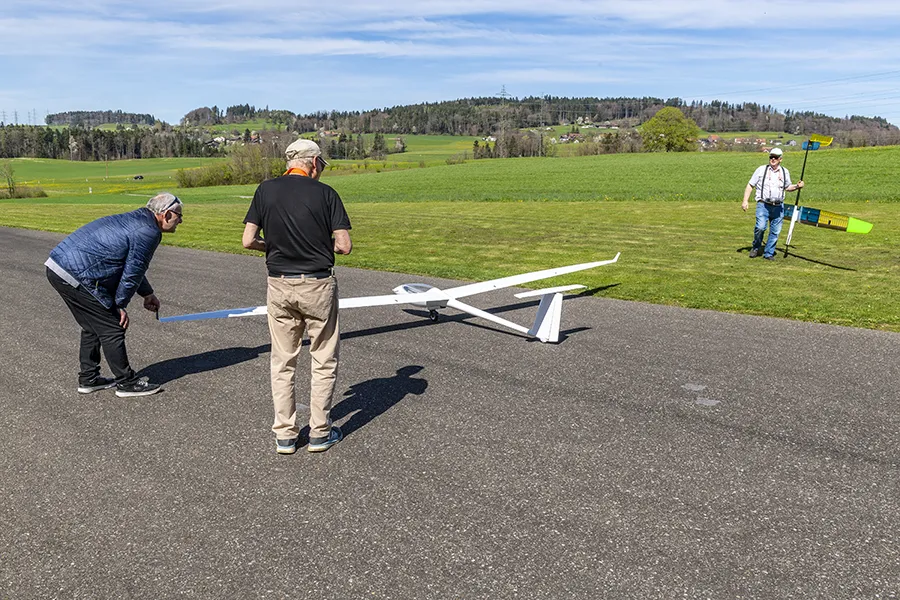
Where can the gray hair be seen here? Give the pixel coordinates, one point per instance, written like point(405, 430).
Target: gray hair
point(306, 163)
point(160, 203)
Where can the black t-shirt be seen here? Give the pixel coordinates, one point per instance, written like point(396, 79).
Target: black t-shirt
point(297, 215)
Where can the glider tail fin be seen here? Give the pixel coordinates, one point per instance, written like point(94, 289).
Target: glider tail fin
point(549, 315)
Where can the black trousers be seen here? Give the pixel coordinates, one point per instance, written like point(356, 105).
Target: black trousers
point(99, 329)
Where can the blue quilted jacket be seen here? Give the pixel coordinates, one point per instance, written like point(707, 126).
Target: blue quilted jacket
point(110, 256)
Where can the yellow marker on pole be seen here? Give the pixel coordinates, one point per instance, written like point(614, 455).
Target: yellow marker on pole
point(823, 140)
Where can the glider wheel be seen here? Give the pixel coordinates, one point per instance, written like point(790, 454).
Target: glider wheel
point(433, 315)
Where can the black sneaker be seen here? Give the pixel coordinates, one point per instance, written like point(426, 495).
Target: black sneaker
point(100, 383)
point(754, 253)
point(769, 257)
point(138, 388)
point(323, 444)
point(286, 446)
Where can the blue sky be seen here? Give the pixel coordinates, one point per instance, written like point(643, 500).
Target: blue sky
point(169, 57)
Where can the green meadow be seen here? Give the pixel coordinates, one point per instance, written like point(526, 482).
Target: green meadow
point(675, 218)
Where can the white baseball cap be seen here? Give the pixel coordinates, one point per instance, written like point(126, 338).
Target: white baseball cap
point(303, 148)
point(775, 152)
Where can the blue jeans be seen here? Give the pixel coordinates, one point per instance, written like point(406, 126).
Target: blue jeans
point(773, 216)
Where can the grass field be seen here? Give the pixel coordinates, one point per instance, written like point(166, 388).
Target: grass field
point(675, 218)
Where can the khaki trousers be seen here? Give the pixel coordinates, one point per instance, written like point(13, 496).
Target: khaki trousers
point(295, 305)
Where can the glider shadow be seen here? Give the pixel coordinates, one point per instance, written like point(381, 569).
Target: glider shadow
point(176, 368)
point(792, 254)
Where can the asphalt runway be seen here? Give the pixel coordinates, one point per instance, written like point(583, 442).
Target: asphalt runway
point(655, 452)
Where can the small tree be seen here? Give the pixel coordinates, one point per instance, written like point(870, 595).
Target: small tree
point(671, 131)
point(6, 169)
point(379, 147)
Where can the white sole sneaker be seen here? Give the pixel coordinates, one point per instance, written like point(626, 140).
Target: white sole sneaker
point(90, 389)
point(124, 394)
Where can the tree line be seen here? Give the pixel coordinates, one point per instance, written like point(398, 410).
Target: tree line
point(95, 118)
point(517, 124)
point(481, 116)
point(79, 143)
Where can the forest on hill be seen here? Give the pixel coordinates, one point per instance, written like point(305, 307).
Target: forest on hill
point(490, 115)
point(77, 135)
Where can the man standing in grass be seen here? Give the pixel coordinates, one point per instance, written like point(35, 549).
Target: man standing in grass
point(305, 225)
point(96, 270)
point(770, 181)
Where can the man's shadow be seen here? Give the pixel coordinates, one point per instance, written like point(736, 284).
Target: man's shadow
point(368, 399)
point(175, 368)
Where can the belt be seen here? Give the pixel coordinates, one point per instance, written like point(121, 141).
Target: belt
point(770, 203)
point(317, 275)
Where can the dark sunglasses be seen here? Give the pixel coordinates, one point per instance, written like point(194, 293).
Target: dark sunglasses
point(771, 156)
point(171, 204)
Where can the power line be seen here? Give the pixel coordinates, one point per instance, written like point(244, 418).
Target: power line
point(802, 85)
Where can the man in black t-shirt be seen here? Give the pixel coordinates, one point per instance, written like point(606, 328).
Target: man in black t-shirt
point(304, 225)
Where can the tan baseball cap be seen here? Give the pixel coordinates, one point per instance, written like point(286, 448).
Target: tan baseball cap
point(303, 148)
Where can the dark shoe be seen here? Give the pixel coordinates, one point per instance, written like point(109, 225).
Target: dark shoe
point(754, 253)
point(138, 388)
point(100, 383)
point(769, 257)
point(286, 446)
point(323, 444)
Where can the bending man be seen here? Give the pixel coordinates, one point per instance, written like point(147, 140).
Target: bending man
point(96, 270)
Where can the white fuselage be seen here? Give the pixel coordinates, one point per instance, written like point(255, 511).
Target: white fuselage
point(418, 288)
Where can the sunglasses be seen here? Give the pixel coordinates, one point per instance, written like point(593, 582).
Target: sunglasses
point(171, 204)
point(775, 156)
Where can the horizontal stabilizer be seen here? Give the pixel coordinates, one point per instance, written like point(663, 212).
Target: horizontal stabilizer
point(553, 290)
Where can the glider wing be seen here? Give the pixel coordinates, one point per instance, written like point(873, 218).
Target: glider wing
point(504, 282)
point(828, 220)
point(218, 314)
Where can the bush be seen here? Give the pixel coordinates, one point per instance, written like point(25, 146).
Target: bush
point(246, 164)
point(24, 191)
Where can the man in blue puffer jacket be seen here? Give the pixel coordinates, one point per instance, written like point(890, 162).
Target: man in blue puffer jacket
point(96, 270)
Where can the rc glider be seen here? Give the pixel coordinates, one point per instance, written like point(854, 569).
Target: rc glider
point(546, 323)
point(545, 326)
point(814, 216)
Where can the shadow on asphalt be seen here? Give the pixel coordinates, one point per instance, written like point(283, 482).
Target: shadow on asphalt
point(176, 368)
point(366, 400)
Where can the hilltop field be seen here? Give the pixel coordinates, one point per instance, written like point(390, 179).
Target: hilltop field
point(675, 218)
